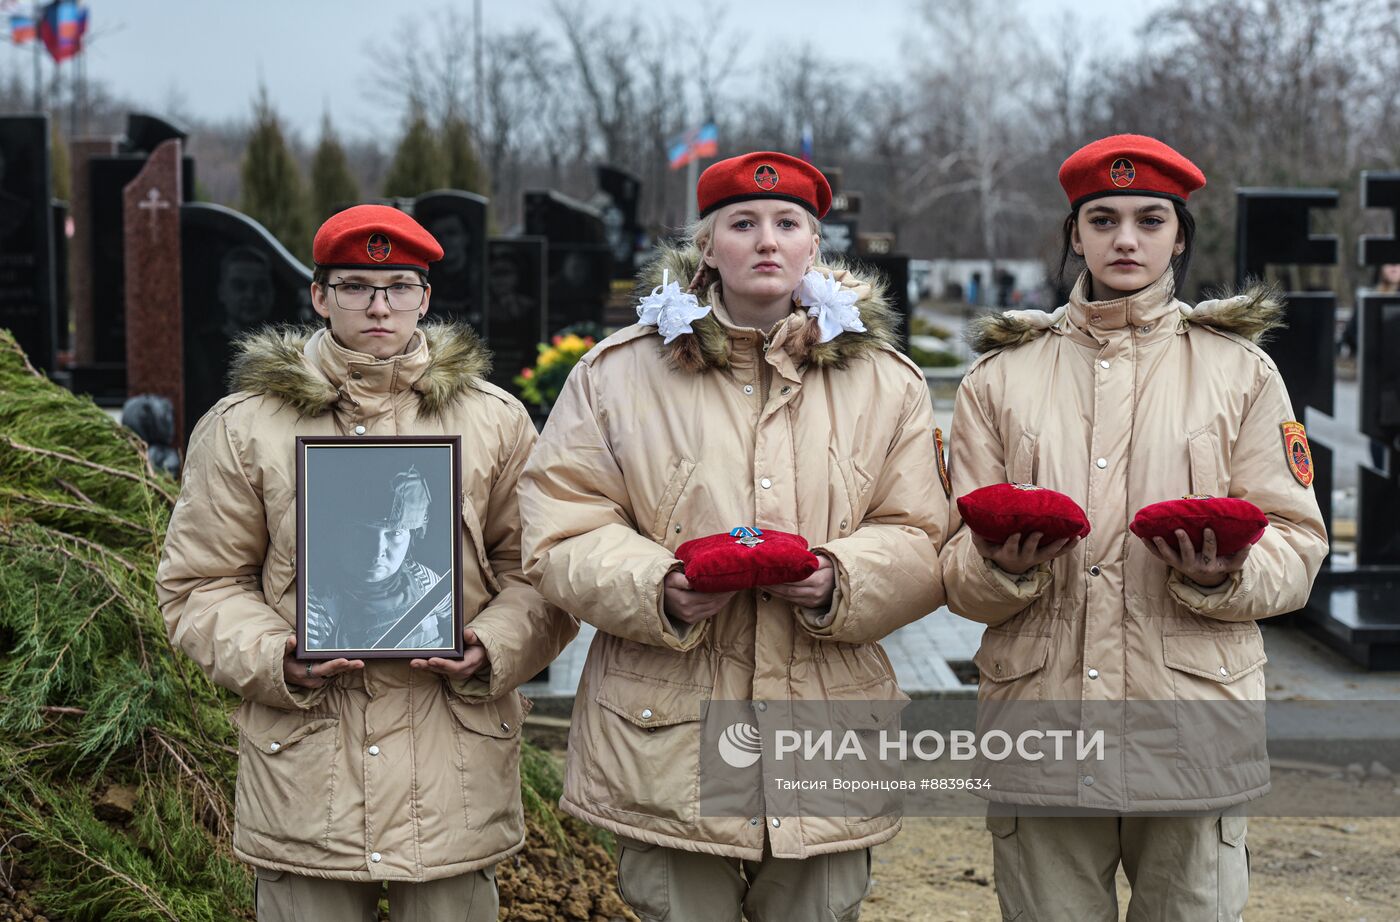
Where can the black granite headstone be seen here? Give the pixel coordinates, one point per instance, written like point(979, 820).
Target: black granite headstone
point(580, 260)
point(516, 304)
point(1352, 606)
point(235, 277)
point(27, 278)
point(895, 271)
point(458, 221)
point(618, 195)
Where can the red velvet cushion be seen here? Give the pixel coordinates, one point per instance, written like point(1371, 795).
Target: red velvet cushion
point(722, 563)
point(1004, 509)
point(1236, 522)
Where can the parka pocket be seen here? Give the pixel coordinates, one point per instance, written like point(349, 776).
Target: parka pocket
point(869, 795)
point(288, 766)
point(1010, 664)
point(471, 524)
point(1006, 864)
point(487, 749)
point(1025, 459)
point(847, 486)
point(663, 523)
point(647, 749)
point(1204, 454)
point(1218, 691)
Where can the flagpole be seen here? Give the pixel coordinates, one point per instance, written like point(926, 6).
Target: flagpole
point(38, 99)
point(692, 177)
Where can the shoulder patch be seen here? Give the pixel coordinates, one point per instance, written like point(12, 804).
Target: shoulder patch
point(942, 462)
point(1297, 452)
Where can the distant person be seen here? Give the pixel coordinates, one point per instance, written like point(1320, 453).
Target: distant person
point(1387, 283)
point(1124, 397)
point(354, 773)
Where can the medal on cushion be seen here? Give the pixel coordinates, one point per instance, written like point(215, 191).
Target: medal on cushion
point(748, 536)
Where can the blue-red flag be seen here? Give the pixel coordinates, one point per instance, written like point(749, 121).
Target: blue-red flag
point(22, 29)
point(61, 28)
point(694, 144)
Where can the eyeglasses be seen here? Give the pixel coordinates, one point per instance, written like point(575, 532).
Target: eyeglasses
point(357, 296)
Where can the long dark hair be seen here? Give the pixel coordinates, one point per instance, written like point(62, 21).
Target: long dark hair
point(1179, 263)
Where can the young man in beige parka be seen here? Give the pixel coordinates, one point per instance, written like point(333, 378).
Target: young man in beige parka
point(353, 774)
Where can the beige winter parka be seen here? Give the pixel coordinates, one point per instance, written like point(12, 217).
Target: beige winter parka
point(650, 446)
point(388, 773)
point(1120, 404)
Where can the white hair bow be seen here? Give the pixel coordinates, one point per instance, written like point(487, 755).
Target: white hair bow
point(833, 304)
point(669, 309)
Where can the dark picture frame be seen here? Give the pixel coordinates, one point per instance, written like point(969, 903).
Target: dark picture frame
point(379, 547)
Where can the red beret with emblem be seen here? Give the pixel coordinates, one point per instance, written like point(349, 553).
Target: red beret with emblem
point(374, 237)
point(1004, 509)
point(763, 174)
point(1128, 164)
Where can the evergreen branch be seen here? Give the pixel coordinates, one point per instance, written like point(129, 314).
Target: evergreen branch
point(152, 483)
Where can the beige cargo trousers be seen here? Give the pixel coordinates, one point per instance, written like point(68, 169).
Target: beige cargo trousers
point(1063, 869)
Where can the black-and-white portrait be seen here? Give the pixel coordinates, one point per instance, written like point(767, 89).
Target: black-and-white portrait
point(378, 547)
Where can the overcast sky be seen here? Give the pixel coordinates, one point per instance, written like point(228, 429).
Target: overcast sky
point(208, 55)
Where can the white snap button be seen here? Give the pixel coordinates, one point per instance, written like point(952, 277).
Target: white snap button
point(374, 750)
point(748, 388)
point(359, 430)
point(1102, 463)
point(1103, 364)
point(273, 747)
point(777, 822)
point(646, 714)
point(786, 390)
point(1145, 328)
point(1094, 570)
point(765, 483)
point(1224, 672)
point(760, 706)
point(376, 857)
point(1096, 317)
point(764, 596)
point(1088, 781)
point(1093, 673)
point(753, 821)
point(505, 727)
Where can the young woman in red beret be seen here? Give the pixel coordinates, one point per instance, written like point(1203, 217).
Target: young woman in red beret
point(1125, 397)
point(760, 389)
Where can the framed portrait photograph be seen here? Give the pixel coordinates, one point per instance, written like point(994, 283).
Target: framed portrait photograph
point(379, 547)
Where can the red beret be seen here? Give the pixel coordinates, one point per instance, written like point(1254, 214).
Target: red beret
point(374, 237)
point(1005, 509)
point(746, 558)
point(1236, 522)
point(1128, 164)
point(763, 174)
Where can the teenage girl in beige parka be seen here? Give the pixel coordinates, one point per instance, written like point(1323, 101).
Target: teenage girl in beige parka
point(752, 404)
point(1124, 397)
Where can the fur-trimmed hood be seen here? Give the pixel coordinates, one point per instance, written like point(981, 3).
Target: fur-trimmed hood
point(709, 345)
point(1252, 313)
point(300, 365)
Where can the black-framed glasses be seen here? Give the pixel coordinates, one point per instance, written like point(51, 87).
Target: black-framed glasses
point(357, 296)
